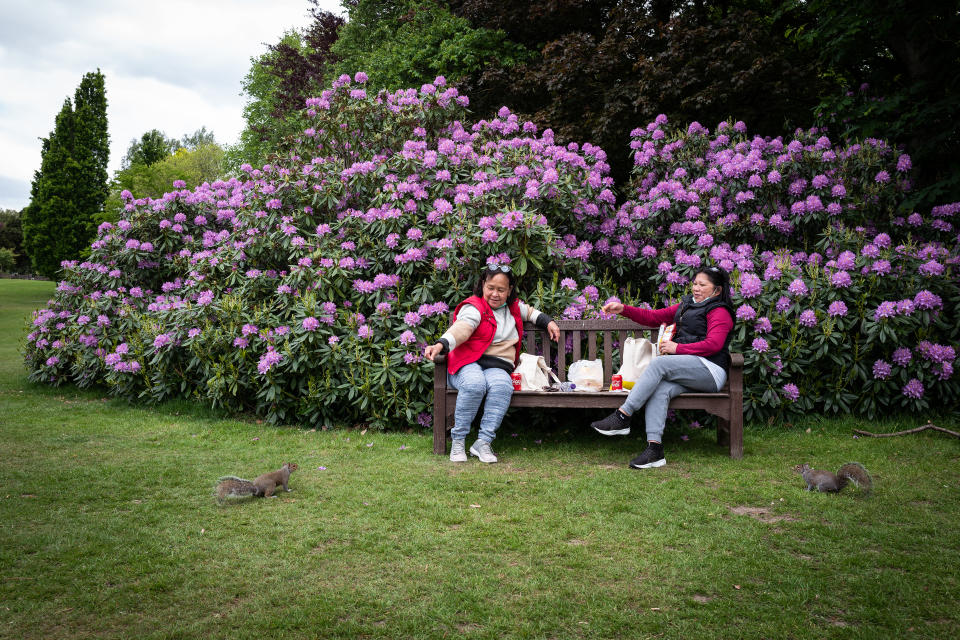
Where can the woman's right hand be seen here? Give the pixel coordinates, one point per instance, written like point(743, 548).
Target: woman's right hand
point(613, 307)
point(431, 351)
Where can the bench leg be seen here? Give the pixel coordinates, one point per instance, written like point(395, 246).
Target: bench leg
point(736, 435)
point(736, 423)
point(439, 420)
point(723, 432)
point(442, 421)
point(730, 434)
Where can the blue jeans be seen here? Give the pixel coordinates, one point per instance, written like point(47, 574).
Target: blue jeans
point(666, 378)
point(473, 383)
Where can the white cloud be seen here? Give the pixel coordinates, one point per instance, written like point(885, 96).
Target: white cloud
point(174, 66)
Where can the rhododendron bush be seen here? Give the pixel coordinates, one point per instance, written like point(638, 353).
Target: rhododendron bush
point(842, 303)
point(305, 290)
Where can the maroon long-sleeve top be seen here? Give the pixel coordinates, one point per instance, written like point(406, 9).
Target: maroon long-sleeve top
point(719, 324)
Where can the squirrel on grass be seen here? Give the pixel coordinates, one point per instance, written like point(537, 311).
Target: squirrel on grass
point(263, 486)
point(825, 481)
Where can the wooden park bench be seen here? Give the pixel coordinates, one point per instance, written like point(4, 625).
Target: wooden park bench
point(727, 404)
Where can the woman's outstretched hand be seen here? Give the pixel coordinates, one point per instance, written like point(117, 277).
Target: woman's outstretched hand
point(613, 307)
point(431, 351)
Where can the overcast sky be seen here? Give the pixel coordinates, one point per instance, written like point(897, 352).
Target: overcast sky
point(174, 65)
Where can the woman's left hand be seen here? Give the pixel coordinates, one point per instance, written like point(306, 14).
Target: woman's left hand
point(431, 351)
point(668, 347)
point(553, 331)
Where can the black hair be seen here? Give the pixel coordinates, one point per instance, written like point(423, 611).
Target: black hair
point(488, 272)
point(719, 277)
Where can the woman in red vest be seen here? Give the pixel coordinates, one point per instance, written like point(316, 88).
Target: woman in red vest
point(484, 348)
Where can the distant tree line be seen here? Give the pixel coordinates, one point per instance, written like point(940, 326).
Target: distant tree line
point(12, 257)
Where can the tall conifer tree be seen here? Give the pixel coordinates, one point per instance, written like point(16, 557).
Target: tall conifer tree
point(70, 187)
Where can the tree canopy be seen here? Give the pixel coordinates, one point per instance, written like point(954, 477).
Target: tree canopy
point(896, 66)
point(594, 69)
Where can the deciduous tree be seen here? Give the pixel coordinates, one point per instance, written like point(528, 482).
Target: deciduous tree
point(606, 66)
point(153, 146)
point(155, 161)
point(278, 83)
point(400, 43)
point(896, 64)
point(11, 241)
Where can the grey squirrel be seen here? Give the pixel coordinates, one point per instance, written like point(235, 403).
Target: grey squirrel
point(263, 486)
point(826, 481)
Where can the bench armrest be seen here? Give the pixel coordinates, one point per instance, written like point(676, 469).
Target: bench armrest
point(439, 372)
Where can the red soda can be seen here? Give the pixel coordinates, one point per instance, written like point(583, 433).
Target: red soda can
point(616, 383)
point(516, 381)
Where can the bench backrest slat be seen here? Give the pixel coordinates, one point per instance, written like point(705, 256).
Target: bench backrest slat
point(607, 355)
point(545, 342)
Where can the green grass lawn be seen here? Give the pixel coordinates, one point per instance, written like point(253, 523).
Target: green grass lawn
point(109, 528)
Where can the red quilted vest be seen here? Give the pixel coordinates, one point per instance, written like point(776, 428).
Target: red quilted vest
point(482, 337)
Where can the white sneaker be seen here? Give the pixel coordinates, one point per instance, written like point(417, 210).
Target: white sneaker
point(482, 450)
point(458, 451)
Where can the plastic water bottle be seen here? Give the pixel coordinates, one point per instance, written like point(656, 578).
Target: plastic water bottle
point(567, 386)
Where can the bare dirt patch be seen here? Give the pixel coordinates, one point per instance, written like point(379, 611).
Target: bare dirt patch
point(762, 514)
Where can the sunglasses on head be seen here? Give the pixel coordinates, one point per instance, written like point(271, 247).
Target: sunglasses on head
point(502, 268)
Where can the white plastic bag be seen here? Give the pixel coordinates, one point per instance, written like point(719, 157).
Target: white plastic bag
point(587, 375)
point(636, 355)
point(533, 372)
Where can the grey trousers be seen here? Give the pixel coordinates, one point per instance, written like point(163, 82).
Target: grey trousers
point(666, 377)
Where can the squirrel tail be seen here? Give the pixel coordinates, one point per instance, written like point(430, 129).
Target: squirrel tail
point(234, 487)
point(856, 473)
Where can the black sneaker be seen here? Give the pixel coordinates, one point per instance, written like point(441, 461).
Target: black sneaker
point(651, 457)
point(615, 424)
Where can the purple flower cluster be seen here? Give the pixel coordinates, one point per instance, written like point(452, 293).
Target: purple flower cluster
point(808, 318)
point(913, 389)
point(746, 312)
point(837, 309)
point(267, 361)
point(791, 392)
point(881, 370)
point(901, 356)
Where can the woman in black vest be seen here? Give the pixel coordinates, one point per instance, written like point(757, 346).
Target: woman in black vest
point(696, 359)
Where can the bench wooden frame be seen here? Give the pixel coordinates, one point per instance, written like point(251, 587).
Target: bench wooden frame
point(727, 405)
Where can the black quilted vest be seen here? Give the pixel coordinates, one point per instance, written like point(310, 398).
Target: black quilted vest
point(691, 321)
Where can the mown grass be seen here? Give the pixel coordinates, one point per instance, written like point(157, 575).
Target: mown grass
point(110, 530)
